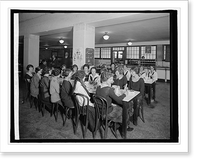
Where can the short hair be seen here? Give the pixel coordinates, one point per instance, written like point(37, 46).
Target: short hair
point(66, 72)
point(37, 69)
point(136, 70)
point(56, 71)
point(28, 66)
point(80, 74)
point(45, 70)
point(120, 69)
point(73, 66)
point(86, 65)
point(105, 75)
point(63, 65)
point(43, 60)
point(93, 68)
point(153, 67)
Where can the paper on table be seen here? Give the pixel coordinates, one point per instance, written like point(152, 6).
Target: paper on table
point(131, 95)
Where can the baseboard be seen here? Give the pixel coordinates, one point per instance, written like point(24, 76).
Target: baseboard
point(163, 80)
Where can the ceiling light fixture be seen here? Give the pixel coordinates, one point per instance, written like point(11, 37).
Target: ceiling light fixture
point(106, 36)
point(61, 41)
point(129, 43)
point(65, 46)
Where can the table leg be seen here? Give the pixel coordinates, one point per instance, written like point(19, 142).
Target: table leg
point(149, 97)
point(124, 119)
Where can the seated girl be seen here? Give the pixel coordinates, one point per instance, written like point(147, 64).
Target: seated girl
point(79, 87)
point(120, 80)
point(55, 86)
point(34, 86)
point(66, 91)
point(45, 86)
point(86, 71)
point(107, 92)
point(94, 77)
point(74, 69)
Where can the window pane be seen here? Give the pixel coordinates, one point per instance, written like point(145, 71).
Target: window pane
point(105, 53)
point(97, 53)
point(132, 53)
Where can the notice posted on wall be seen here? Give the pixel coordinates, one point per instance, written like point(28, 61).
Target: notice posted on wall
point(89, 56)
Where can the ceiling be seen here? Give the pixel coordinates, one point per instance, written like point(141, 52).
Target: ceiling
point(136, 28)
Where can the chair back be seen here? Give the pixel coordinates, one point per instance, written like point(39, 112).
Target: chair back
point(85, 102)
point(101, 106)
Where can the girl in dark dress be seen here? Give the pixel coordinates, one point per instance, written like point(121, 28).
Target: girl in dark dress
point(66, 91)
point(112, 68)
point(137, 84)
point(114, 102)
point(27, 79)
point(120, 79)
point(87, 72)
point(44, 87)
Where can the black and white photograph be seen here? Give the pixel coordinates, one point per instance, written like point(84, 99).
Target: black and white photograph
point(96, 76)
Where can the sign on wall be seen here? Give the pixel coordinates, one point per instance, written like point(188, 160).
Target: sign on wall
point(89, 56)
point(78, 57)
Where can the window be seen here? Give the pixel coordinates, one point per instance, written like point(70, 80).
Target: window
point(118, 48)
point(166, 53)
point(97, 53)
point(150, 54)
point(133, 52)
point(105, 52)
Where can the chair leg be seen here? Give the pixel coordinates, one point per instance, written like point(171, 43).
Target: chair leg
point(56, 112)
point(31, 101)
point(86, 125)
point(52, 109)
point(42, 106)
point(115, 129)
point(77, 115)
point(106, 129)
point(66, 113)
point(95, 130)
point(142, 114)
point(35, 103)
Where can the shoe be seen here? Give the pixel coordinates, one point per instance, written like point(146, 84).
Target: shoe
point(129, 128)
point(155, 101)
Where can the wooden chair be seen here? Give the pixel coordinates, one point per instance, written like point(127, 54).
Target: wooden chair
point(26, 91)
point(35, 101)
point(101, 116)
point(138, 110)
point(55, 109)
point(81, 110)
point(66, 114)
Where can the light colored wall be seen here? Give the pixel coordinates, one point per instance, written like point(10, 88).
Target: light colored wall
point(31, 50)
point(83, 37)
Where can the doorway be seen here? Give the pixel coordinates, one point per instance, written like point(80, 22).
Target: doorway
point(118, 55)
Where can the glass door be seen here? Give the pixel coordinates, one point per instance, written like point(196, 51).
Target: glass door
point(118, 55)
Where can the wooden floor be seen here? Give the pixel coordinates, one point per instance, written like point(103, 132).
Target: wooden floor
point(157, 122)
